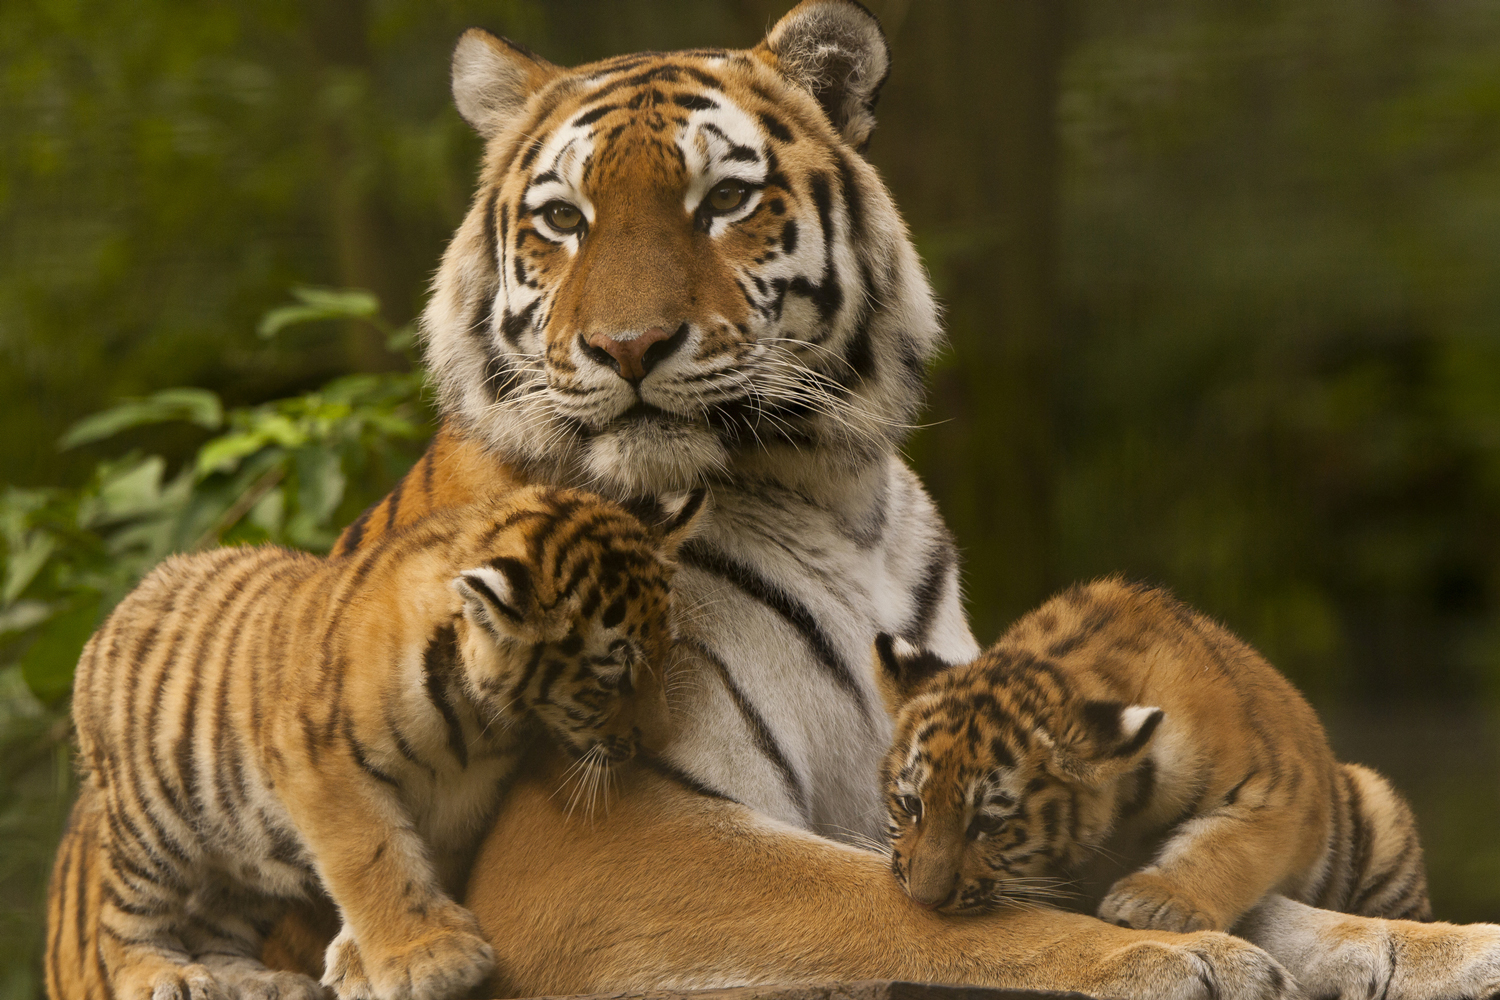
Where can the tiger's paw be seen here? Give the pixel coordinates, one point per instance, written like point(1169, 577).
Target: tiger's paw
point(444, 958)
point(1346, 956)
point(245, 979)
point(1204, 966)
point(1148, 901)
point(162, 980)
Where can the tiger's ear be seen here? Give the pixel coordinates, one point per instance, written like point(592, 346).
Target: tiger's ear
point(835, 50)
point(493, 77)
point(683, 520)
point(496, 596)
point(901, 668)
point(1109, 740)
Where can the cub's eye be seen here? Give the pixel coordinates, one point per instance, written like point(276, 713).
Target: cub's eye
point(911, 805)
point(561, 216)
point(984, 824)
point(726, 196)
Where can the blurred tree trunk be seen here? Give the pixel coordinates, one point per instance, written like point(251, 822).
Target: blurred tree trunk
point(363, 231)
point(975, 83)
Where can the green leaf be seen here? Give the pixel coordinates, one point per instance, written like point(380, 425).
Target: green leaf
point(26, 560)
point(224, 454)
point(196, 406)
point(48, 663)
point(320, 483)
point(320, 304)
point(23, 615)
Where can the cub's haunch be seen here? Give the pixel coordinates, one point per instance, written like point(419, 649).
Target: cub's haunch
point(1114, 722)
point(261, 723)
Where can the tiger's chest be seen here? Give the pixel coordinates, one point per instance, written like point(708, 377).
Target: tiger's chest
point(780, 602)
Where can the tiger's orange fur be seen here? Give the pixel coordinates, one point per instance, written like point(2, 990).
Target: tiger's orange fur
point(1115, 723)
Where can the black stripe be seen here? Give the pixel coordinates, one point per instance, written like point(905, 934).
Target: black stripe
point(700, 556)
point(760, 731)
point(355, 533)
point(826, 294)
point(438, 661)
point(357, 750)
point(675, 774)
point(394, 501)
point(928, 593)
point(774, 126)
point(529, 672)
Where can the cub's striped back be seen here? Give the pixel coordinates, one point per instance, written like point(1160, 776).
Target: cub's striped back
point(1115, 723)
point(258, 725)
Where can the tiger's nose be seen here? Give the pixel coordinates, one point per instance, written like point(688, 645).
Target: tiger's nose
point(633, 357)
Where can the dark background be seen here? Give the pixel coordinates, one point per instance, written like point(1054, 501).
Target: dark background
point(1223, 290)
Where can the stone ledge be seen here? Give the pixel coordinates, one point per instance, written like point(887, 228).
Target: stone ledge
point(868, 990)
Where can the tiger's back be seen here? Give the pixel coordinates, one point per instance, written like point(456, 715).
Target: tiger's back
point(1113, 730)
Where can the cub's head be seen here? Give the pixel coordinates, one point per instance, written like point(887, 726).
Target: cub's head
point(677, 263)
point(570, 621)
point(998, 776)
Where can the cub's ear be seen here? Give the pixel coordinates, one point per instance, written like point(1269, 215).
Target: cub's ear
point(1108, 741)
point(683, 519)
point(901, 668)
point(496, 595)
point(492, 77)
point(835, 50)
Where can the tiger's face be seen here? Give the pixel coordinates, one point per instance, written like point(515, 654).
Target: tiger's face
point(573, 625)
point(678, 262)
point(999, 780)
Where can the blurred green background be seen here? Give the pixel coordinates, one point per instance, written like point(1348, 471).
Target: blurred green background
point(1223, 285)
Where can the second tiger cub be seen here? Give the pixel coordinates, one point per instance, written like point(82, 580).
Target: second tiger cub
point(1115, 721)
point(260, 724)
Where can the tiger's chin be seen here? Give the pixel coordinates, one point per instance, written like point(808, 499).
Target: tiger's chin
point(652, 455)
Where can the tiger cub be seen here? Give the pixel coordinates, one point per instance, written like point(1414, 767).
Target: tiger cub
point(1113, 724)
point(261, 723)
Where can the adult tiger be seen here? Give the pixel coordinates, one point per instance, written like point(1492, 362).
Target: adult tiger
point(678, 271)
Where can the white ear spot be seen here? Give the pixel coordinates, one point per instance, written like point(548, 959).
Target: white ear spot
point(903, 649)
point(1134, 718)
point(488, 600)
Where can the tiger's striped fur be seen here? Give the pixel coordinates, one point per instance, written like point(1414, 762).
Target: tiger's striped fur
point(1112, 723)
point(647, 353)
point(259, 724)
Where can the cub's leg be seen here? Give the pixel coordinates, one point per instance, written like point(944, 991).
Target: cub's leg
point(671, 889)
point(1214, 868)
point(1342, 955)
point(224, 932)
point(402, 937)
point(145, 873)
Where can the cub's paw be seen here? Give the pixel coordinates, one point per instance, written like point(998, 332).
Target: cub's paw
point(443, 958)
point(166, 981)
point(344, 968)
point(1147, 901)
point(244, 979)
point(1203, 966)
point(1346, 956)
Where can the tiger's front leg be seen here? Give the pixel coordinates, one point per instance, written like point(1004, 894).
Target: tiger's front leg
point(1210, 871)
point(402, 937)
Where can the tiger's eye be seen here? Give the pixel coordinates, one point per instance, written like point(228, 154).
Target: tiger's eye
point(563, 217)
point(911, 805)
point(984, 824)
point(726, 196)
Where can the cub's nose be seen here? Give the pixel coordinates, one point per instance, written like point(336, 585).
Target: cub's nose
point(633, 357)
